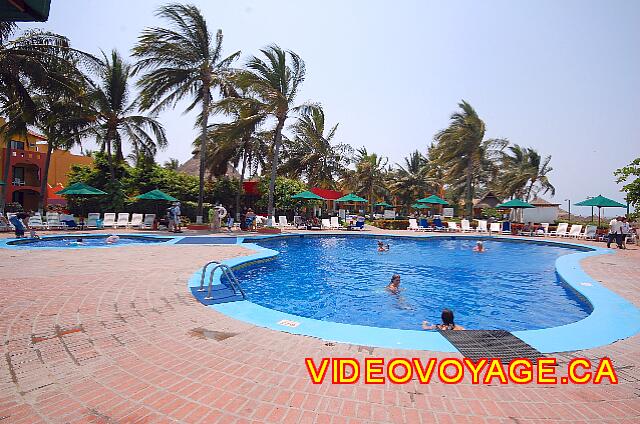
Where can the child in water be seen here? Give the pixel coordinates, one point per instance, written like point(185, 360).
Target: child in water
point(382, 247)
point(447, 322)
point(394, 285)
point(479, 247)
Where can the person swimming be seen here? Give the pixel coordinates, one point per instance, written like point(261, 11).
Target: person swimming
point(394, 285)
point(447, 322)
point(78, 241)
point(479, 247)
point(382, 247)
point(112, 239)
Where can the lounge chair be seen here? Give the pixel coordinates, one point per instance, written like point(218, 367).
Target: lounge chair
point(589, 232)
point(123, 220)
point(282, 222)
point(506, 227)
point(109, 220)
point(5, 225)
point(494, 227)
point(574, 231)
point(36, 222)
point(53, 221)
point(359, 225)
point(335, 223)
point(298, 221)
point(413, 225)
point(149, 219)
point(92, 220)
point(482, 226)
point(466, 227)
point(136, 220)
point(452, 226)
point(325, 224)
point(437, 225)
point(561, 231)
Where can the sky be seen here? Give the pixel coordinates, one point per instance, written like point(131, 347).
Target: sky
point(560, 77)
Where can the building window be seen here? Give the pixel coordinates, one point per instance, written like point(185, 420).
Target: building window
point(18, 175)
point(17, 145)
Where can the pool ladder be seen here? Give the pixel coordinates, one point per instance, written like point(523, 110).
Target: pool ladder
point(227, 272)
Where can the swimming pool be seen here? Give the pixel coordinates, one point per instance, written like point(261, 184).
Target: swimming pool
point(511, 286)
point(71, 241)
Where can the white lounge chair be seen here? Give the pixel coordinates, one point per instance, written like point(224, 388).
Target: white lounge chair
point(335, 223)
point(53, 221)
point(452, 226)
point(413, 225)
point(5, 225)
point(561, 231)
point(283, 221)
point(466, 227)
point(136, 220)
point(482, 226)
point(326, 223)
point(92, 220)
point(123, 220)
point(574, 231)
point(36, 222)
point(589, 232)
point(494, 227)
point(149, 219)
point(544, 226)
point(109, 220)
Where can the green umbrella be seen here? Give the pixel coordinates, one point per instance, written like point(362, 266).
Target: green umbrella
point(352, 198)
point(307, 195)
point(420, 206)
point(25, 10)
point(433, 200)
point(601, 202)
point(384, 204)
point(81, 189)
point(156, 195)
point(515, 204)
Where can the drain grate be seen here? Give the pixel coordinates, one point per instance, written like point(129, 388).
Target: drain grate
point(207, 240)
point(476, 344)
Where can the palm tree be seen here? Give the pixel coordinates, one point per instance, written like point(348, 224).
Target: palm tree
point(35, 62)
point(275, 83)
point(464, 154)
point(524, 173)
point(116, 116)
point(413, 180)
point(172, 164)
point(369, 179)
point(312, 153)
point(181, 61)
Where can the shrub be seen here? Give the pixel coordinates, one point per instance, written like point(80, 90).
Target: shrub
point(391, 224)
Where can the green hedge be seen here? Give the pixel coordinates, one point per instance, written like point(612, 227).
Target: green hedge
point(391, 224)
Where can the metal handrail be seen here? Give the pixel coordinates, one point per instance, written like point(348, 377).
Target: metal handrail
point(231, 277)
point(204, 271)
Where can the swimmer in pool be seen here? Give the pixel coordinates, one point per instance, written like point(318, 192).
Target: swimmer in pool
point(77, 242)
point(382, 247)
point(447, 322)
point(112, 239)
point(479, 247)
point(394, 285)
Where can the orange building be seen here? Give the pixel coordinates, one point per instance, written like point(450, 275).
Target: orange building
point(27, 157)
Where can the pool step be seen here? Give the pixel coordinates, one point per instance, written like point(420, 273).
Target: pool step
point(477, 344)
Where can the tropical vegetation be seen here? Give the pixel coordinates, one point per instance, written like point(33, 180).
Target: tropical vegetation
point(249, 119)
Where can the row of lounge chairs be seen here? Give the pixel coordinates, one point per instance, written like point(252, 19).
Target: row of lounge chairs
point(56, 221)
point(332, 223)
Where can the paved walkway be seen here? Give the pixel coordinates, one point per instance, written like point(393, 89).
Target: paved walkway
point(113, 336)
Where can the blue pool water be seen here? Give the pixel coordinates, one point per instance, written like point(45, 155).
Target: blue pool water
point(511, 286)
point(87, 241)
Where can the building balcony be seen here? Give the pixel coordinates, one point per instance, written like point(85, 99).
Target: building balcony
point(26, 157)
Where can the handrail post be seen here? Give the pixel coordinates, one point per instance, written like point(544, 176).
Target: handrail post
point(204, 271)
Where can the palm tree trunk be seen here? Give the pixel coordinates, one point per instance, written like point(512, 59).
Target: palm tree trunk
point(277, 139)
point(5, 174)
point(203, 146)
point(45, 177)
point(469, 191)
point(240, 185)
point(112, 169)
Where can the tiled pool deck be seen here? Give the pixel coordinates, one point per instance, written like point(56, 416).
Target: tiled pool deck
point(113, 336)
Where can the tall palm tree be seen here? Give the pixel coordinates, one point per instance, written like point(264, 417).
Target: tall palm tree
point(275, 83)
point(524, 173)
point(413, 180)
point(312, 152)
point(172, 164)
point(117, 117)
point(369, 179)
point(463, 153)
point(182, 61)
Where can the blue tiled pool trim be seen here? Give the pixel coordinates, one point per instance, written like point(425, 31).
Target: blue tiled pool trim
point(613, 317)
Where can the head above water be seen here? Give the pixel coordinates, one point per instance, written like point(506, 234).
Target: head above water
point(479, 243)
point(79, 240)
point(395, 279)
point(447, 317)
